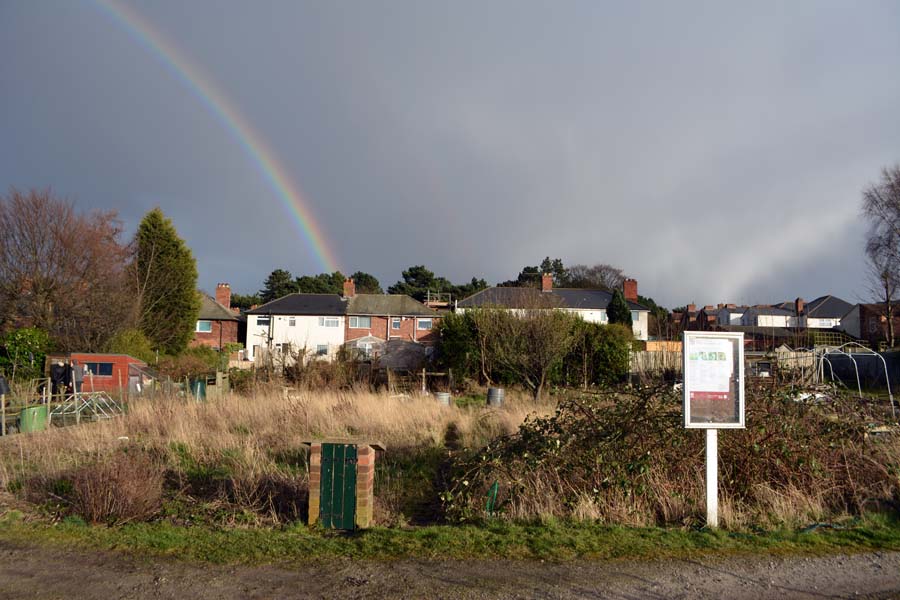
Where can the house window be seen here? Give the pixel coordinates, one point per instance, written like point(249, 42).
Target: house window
point(360, 322)
point(424, 324)
point(99, 369)
point(292, 322)
point(322, 350)
point(283, 348)
point(603, 317)
point(365, 349)
point(395, 323)
point(263, 321)
point(635, 316)
point(204, 327)
point(329, 322)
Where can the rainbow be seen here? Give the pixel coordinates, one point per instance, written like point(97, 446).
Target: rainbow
point(256, 149)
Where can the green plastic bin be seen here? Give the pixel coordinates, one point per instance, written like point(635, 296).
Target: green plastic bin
point(33, 418)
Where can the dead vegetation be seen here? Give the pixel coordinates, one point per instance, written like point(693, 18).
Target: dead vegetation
point(239, 460)
point(625, 458)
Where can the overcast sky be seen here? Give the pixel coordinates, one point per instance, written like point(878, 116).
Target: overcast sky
point(715, 151)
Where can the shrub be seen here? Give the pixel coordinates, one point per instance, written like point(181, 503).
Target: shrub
point(134, 343)
point(625, 457)
point(125, 487)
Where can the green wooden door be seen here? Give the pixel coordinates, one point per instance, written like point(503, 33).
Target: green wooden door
point(337, 505)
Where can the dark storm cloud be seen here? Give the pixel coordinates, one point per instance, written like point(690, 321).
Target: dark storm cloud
point(714, 151)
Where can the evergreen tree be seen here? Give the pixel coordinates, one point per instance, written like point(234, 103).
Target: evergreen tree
point(166, 276)
point(366, 283)
point(618, 311)
point(323, 283)
point(279, 283)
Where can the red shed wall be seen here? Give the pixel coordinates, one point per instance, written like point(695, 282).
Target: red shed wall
point(119, 377)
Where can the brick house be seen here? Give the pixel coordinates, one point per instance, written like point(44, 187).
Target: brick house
point(869, 322)
point(388, 317)
point(217, 325)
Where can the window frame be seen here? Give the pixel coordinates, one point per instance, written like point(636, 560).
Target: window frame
point(354, 322)
point(263, 320)
point(94, 368)
point(321, 349)
point(420, 321)
point(197, 326)
point(324, 321)
point(396, 323)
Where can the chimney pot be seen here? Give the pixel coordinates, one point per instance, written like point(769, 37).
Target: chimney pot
point(223, 295)
point(546, 282)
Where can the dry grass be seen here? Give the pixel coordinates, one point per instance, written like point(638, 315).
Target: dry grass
point(245, 453)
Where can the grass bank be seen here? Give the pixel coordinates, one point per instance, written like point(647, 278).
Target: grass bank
point(551, 540)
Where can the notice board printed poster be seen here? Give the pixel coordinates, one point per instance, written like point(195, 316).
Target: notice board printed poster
point(713, 379)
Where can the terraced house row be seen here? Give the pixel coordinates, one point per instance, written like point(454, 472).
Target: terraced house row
point(320, 324)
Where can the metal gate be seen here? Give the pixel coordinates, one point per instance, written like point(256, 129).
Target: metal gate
point(337, 503)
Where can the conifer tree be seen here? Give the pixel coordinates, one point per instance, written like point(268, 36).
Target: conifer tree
point(618, 311)
point(166, 280)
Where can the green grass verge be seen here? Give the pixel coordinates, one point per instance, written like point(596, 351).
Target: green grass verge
point(550, 541)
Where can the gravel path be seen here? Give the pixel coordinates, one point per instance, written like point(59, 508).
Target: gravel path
point(43, 572)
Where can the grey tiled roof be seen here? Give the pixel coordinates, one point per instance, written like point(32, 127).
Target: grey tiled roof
point(303, 304)
point(518, 297)
point(828, 307)
point(388, 304)
point(210, 310)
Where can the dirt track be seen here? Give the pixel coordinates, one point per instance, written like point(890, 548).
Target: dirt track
point(40, 572)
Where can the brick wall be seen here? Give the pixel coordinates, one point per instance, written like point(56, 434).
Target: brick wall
point(381, 329)
point(223, 332)
point(365, 484)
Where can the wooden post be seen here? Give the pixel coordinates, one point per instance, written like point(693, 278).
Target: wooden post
point(424, 385)
point(3, 411)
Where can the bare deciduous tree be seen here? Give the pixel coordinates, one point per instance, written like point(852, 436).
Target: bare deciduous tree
point(881, 206)
point(62, 271)
point(601, 276)
point(526, 342)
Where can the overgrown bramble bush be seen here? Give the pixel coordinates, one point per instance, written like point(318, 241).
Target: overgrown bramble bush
point(123, 487)
point(625, 457)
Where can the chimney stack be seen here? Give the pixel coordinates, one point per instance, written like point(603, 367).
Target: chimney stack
point(800, 306)
point(692, 308)
point(546, 282)
point(349, 288)
point(223, 295)
point(629, 290)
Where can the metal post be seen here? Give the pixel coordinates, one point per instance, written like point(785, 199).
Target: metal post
point(3, 412)
point(712, 477)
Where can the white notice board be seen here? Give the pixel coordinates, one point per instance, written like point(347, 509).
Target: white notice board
point(713, 380)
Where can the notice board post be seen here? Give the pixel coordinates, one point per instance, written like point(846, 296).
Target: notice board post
point(713, 397)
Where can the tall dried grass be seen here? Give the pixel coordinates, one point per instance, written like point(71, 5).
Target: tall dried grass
point(245, 453)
